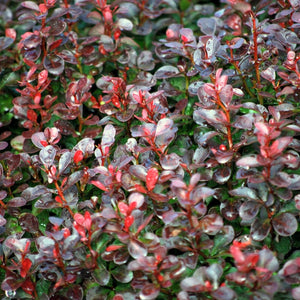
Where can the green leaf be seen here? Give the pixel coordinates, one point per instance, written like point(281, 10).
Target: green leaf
point(184, 4)
point(42, 287)
point(283, 246)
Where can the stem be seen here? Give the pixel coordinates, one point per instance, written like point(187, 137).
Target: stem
point(62, 197)
point(234, 63)
point(256, 61)
point(228, 126)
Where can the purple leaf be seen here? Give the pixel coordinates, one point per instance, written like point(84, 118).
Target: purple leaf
point(137, 249)
point(212, 116)
point(15, 244)
point(222, 175)
point(39, 139)
point(3, 145)
point(211, 224)
point(122, 274)
point(2, 221)
point(54, 64)
point(108, 136)
point(5, 42)
point(224, 293)
point(244, 192)
point(269, 74)
point(248, 161)
point(64, 161)
point(149, 292)
point(260, 229)
point(137, 198)
point(31, 5)
point(226, 94)
point(17, 202)
point(3, 194)
point(145, 61)
point(124, 24)
point(207, 25)
point(249, 209)
point(57, 27)
point(166, 72)
point(29, 222)
point(170, 161)
point(47, 155)
point(285, 224)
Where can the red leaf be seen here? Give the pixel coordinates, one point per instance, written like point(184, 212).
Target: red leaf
point(55, 45)
point(42, 77)
point(78, 156)
point(58, 199)
point(151, 178)
point(123, 207)
point(37, 98)
point(26, 264)
point(11, 33)
point(84, 221)
point(140, 188)
point(31, 115)
point(113, 248)
point(99, 185)
point(237, 254)
point(43, 8)
point(128, 222)
point(28, 286)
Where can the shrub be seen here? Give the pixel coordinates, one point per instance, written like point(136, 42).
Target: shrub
point(149, 149)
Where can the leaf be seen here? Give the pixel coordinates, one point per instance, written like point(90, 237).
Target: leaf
point(31, 5)
point(47, 155)
point(207, 25)
point(5, 42)
point(101, 275)
point(222, 175)
point(170, 161)
point(211, 224)
point(145, 61)
point(54, 64)
point(163, 126)
point(248, 161)
point(269, 74)
point(16, 202)
point(138, 198)
point(108, 136)
point(285, 224)
point(224, 293)
point(149, 292)
point(166, 72)
point(249, 210)
point(124, 24)
point(57, 27)
point(26, 265)
point(151, 178)
point(244, 192)
point(137, 249)
point(122, 274)
point(260, 229)
point(212, 116)
point(99, 185)
point(64, 161)
point(78, 156)
point(226, 94)
point(279, 145)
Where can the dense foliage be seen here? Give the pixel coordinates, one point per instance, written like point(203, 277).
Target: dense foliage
point(149, 149)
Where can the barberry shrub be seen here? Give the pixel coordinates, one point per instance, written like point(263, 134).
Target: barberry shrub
point(149, 149)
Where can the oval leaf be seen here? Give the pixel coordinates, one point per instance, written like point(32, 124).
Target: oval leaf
point(285, 224)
